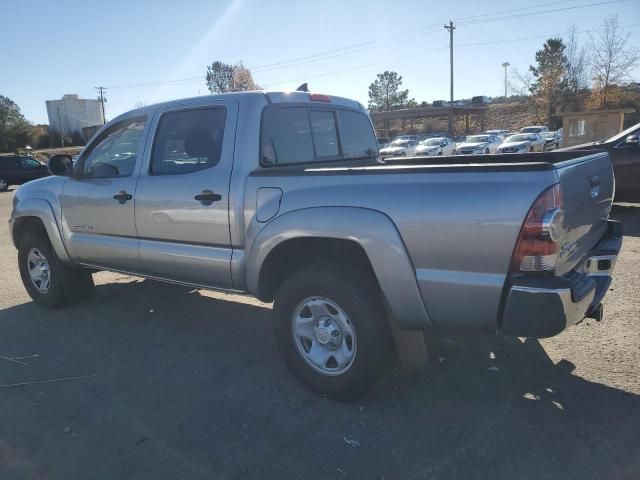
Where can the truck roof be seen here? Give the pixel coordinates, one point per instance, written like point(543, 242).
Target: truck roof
point(260, 95)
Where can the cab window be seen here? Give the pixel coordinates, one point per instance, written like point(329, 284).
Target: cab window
point(116, 152)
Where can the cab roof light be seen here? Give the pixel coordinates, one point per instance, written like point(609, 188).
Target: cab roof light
point(319, 97)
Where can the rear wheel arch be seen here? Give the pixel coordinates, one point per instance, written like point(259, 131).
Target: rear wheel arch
point(296, 253)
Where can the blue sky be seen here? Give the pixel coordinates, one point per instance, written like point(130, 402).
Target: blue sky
point(53, 48)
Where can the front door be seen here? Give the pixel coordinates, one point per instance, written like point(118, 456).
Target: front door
point(98, 200)
point(182, 201)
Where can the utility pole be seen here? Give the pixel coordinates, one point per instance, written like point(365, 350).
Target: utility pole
point(102, 99)
point(451, 28)
point(505, 65)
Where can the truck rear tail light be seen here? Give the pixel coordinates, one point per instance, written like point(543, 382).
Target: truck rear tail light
point(319, 97)
point(541, 234)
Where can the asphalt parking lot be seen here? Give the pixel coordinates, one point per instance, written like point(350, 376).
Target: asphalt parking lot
point(153, 381)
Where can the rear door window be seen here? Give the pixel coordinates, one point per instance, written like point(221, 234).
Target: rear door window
point(188, 140)
point(286, 136)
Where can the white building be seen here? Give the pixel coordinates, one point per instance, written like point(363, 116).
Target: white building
point(71, 114)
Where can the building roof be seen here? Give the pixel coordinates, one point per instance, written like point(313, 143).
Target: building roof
point(596, 112)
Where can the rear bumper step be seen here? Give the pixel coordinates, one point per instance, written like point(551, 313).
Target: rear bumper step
point(543, 307)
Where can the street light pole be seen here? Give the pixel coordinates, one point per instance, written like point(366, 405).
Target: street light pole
point(505, 65)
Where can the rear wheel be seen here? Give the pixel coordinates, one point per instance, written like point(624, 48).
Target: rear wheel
point(331, 328)
point(4, 184)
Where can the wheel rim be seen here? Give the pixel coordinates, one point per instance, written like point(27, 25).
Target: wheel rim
point(39, 271)
point(3, 184)
point(324, 336)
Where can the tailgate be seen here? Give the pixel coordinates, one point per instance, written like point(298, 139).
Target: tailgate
point(587, 186)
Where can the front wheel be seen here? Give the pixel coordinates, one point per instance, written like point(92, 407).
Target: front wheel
point(47, 280)
point(486, 151)
point(331, 329)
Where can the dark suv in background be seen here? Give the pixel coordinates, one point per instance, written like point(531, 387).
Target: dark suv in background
point(16, 170)
point(624, 150)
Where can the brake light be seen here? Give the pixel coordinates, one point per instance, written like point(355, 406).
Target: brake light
point(541, 234)
point(319, 97)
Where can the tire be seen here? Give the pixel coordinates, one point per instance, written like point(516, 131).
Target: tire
point(4, 184)
point(356, 296)
point(531, 149)
point(486, 151)
point(61, 285)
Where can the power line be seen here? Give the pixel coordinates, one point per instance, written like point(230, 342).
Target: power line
point(371, 44)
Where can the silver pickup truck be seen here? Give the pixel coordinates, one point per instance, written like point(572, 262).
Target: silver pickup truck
point(283, 196)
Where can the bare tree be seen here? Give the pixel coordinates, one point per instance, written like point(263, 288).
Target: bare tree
point(576, 70)
point(520, 83)
point(613, 59)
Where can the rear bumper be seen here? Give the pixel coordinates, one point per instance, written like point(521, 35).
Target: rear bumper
point(543, 307)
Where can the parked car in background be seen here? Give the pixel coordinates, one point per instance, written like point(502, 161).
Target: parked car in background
point(16, 170)
point(534, 129)
point(501, 134)
point(408, 136)
point(552, 140)
point(435, 146)
point(624, 150)
point(480, 100)
point(382, 143)
point(440, 103)
point(522, 143)
point(400, 147)
point(478, 144)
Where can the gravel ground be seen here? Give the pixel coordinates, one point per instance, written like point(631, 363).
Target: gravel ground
point(185, 384)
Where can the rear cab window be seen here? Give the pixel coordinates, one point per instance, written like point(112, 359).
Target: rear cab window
point(307, 134)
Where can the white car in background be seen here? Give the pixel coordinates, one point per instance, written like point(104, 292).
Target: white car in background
point(435, 146)
point(399, 148)
point(478, 144)
point(534, 129)
point(522, 143)
point(501, 134)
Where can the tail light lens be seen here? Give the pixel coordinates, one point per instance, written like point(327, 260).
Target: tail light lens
point(541, 234)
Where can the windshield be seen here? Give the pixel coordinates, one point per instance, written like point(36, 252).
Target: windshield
point(624, 133)
point(398, 143)
point(548, 134)
point(477, 139)
point(518, 138)
point(432, 142)
point(531, 130)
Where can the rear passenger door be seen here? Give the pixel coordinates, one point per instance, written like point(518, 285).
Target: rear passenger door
point(182, 199)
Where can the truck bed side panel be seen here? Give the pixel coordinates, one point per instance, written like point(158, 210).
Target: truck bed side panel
point(458, 227)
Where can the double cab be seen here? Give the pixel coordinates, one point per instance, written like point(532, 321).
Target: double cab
point(283, 196)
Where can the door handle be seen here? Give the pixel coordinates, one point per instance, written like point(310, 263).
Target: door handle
point(207, 197)
point(122, 196)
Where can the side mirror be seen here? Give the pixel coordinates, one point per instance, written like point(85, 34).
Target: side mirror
point(633, 140)
point(60, 165)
